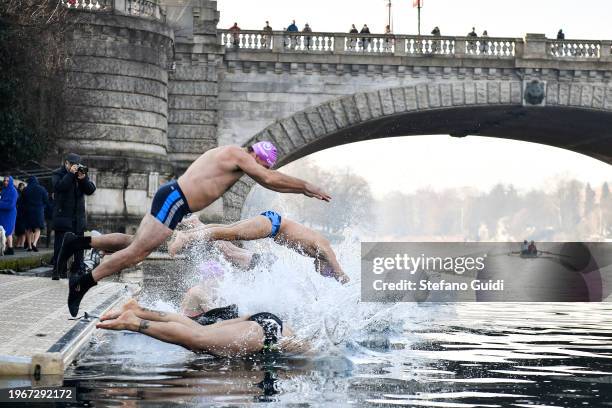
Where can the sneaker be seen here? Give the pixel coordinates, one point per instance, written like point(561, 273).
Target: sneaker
point(9, 251)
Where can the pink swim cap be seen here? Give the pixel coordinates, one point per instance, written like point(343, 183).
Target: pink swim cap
point(211, 269)
point(266, 151)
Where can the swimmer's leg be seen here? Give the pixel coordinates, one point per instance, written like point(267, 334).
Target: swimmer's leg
point(254, 228)
point(151, 233)
point(73, 243)
point(210, 232)
point(329, 261)
point(239, 257)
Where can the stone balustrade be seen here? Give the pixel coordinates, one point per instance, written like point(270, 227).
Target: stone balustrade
point(141, 8)
point(407, 45)
point(574, 49)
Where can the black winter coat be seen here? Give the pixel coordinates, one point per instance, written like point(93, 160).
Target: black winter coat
point(69, 200)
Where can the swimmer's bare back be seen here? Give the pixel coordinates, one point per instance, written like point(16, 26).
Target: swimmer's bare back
point(217, 170)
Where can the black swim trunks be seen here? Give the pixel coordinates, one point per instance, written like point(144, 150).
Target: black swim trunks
point(216, 315)
point(170, 205)
point(272, 327)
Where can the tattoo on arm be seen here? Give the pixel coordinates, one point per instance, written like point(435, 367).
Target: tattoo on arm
point(161, 314)
point(144, 325)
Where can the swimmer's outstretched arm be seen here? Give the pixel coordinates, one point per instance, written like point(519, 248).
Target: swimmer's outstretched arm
point(235, 337)
point(170, 332)
point(148, 314)
point(277, 181)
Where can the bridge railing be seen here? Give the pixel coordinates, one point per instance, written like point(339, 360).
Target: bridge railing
point(366, 43)
point(141, 8)
point(588, 49)
point(408, 45)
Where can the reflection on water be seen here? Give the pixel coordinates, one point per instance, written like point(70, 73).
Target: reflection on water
point(455, 355)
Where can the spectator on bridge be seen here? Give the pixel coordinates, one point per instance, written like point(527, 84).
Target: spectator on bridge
point(388, 39)
point(365, 41)
point(307, 38)
point(235, 31)
point(70, 185)
point(20, 230)
point(561, 35)
point(293, 39)
point(35, 200)
point(353, 39)
point(484, 43)
point(436, 44)
point(293, 28)
point(267, 36)
point(472, 43)
point(8, 212)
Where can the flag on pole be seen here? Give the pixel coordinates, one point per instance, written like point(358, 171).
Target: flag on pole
point(417, 3)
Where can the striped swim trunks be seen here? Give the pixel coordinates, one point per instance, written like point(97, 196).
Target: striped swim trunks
point(170, 205)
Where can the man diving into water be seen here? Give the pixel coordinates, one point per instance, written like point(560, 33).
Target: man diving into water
point(211, 175)
point(270, 224)
point(223, 333)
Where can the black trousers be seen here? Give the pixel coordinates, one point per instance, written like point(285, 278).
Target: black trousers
point(78, 255)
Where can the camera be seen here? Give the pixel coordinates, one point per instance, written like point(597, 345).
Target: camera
point(81, 168)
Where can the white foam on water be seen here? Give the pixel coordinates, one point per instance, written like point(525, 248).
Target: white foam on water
point(328, 314)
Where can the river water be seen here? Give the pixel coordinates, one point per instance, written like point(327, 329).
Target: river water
point(461, 355)
point(431, 355)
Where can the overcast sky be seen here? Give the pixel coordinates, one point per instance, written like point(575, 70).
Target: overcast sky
point(442, 161)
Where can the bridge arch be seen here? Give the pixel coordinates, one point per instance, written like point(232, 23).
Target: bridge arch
point(576, 117)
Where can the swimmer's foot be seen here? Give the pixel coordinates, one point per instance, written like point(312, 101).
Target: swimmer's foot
point(125, 321)
point(78, 285)
point(131, 304)
point(176, 244)
point(70, 245)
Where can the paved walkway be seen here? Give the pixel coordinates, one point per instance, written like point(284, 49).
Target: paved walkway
point(34, 316)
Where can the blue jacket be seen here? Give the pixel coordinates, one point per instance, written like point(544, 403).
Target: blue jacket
point(8, 207)
point(35, 200)
point(292, 28)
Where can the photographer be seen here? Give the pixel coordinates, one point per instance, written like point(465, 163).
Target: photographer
point(70, 185)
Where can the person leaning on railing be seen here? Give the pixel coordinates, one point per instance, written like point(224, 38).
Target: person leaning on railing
point(365, 42)
point(353, 39)
point(472, 43)
point(235, 31)
point(388, 39)
point(307, 38)
point(293, 39)
point(436, 44)
point(484, 43)
point(267, 36)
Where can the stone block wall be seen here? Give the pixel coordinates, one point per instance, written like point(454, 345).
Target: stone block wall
point(119, 116)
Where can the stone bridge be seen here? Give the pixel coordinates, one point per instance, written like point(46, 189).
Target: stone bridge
point(166, 84)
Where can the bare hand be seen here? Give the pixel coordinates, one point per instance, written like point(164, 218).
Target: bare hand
point(126, 321)
point(115, 313)
point(73, 168)
point(81, 176)
point(314, 192)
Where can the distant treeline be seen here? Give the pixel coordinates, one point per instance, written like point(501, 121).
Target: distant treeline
point(570, 210)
